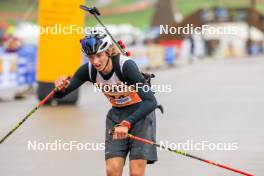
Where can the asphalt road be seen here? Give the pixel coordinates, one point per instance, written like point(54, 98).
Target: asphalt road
point(218, 101)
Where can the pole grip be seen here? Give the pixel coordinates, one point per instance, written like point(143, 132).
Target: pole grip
point(92, 10)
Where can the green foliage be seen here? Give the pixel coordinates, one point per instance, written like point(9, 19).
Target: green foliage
point(140, 19)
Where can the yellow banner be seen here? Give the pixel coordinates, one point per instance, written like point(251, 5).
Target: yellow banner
point(61, 28)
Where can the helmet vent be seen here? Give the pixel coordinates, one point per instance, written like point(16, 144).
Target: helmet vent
point(104, 45)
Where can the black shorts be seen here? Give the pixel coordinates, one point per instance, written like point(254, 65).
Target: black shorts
point(145, 128)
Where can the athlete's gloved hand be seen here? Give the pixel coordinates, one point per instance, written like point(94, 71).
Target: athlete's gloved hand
point(121, 130)
point(62, 82)
point(120, 133)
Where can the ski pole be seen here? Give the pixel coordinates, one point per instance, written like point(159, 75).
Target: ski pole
point(95, 12)
point(50, 95)
point(188, 155)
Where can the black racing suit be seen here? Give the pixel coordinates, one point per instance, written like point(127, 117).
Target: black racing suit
point(141, 115)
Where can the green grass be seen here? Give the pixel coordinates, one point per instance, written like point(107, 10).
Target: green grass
point(260, 7)
point(143, 19)
point(119, 3)
point(18, 5)
point(188, 6)
point(139, 19)
point(90, 2)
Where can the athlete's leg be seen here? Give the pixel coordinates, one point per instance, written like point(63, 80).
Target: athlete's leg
point(145, 128)
point(137, 167)
point(115, 150)
point(114, 166)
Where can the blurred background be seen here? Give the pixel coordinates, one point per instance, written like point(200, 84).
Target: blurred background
point(217, 81)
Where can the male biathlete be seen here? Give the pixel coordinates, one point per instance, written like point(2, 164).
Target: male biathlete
point(132, 108)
